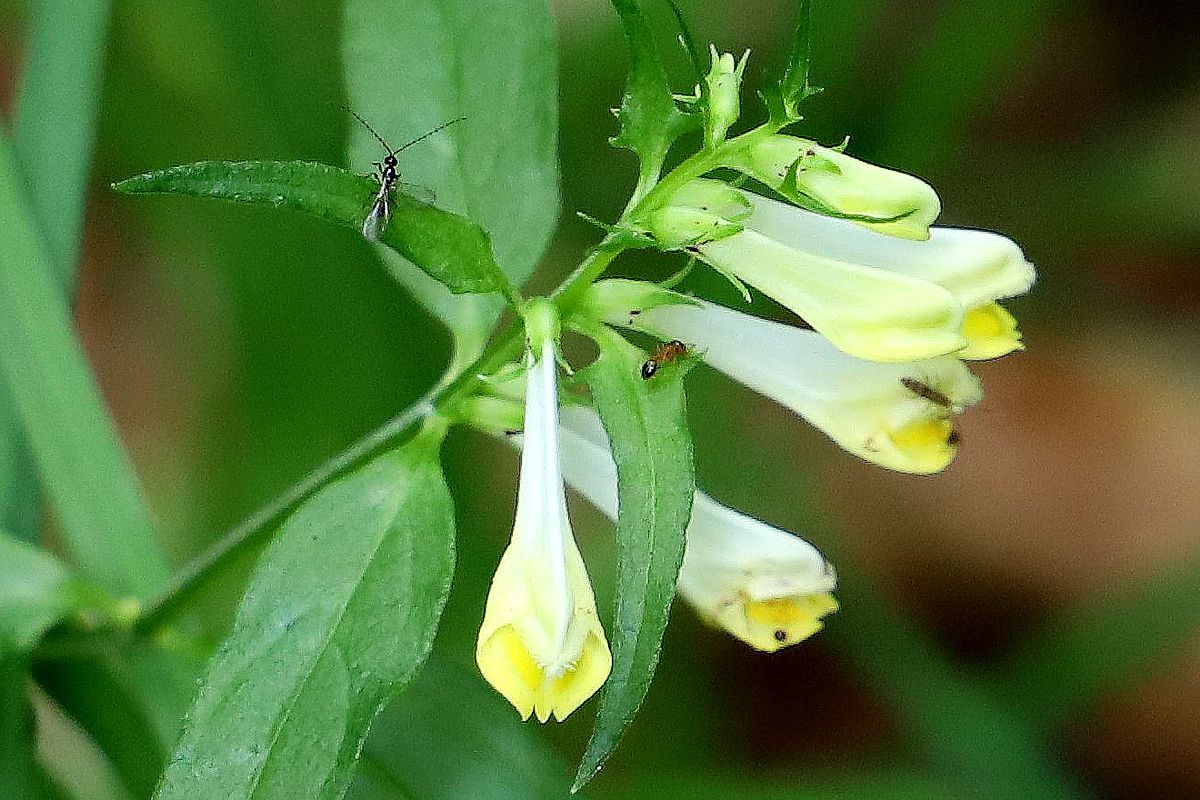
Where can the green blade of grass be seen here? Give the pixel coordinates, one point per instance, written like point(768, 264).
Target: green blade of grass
point(81, 462)
point(55, 119)
point(53, 129)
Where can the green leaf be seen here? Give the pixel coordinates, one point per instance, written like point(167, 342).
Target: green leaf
point(471, 745)
point(36, 591)
point(650, 119)
point(415, 65)
point(338, 617)
point(55, 119)
point(794, 83)
point(1060, 670)
point(784, 97)
point(18, 474)
point(449, 248)
point(83, 467)
point(646, 423)
point(53, 132)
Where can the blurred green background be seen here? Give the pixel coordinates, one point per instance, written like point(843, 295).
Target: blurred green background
point(1023, 625)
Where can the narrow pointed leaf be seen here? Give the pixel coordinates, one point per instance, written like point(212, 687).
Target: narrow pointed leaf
point(795, 78)
point(414, 65)
point(783, 98)
point(86, 473)
point(338, 617)
point(449, 248)
point(646, 423)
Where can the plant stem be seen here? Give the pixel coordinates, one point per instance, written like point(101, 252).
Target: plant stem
point(256, 529)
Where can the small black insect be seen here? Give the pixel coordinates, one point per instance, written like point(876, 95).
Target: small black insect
point(780, 635)
point(386, 174)
point(926, 391)
point(663, 355)
point(955, 436)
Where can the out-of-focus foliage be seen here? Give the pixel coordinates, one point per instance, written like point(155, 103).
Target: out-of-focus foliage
point(238, 348)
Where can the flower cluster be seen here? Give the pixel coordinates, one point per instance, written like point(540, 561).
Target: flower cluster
point(893, 308)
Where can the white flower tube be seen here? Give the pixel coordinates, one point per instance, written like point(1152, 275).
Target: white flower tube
point(899, 416)
point(541, 644)
point(765, 586)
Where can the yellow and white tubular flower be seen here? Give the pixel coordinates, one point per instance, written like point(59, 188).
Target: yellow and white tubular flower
point(873, 295)
point(541, 644)
point(899, 416)
point(870, 313)
point(765, 586)
point(976, 267)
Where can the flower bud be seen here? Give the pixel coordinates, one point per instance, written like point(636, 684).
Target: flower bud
point(824, 179)
point(724, 86)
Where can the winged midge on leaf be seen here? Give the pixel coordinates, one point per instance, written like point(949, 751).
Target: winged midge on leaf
point(448, 247)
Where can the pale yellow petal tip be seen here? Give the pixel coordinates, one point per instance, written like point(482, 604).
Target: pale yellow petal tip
point(771, 625)
point(991, 332)
point(562, 695)
point(507, 665)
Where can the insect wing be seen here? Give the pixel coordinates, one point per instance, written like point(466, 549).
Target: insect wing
point(373, 224)
point(415, 190)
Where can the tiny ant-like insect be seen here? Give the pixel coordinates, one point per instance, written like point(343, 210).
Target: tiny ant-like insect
point(663, 355)
point(386, 174)
point(926, 391)
point(955, 436)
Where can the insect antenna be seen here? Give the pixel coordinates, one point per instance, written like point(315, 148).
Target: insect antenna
point(366, 125)
point(425, 136)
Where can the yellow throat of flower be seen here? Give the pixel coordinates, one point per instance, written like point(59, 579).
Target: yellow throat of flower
point(771, 625)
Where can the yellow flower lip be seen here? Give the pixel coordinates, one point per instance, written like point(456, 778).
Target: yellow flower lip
point(770, 625)
point(991, 332)
point(547, 690)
